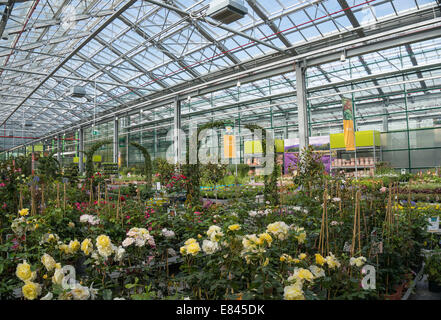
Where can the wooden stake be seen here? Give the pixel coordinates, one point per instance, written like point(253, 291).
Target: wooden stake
point(58, 195)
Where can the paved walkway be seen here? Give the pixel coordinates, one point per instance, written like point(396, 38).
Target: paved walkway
point(422, 291)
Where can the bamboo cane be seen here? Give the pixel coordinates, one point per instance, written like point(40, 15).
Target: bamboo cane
point(58, 195)
point(64, 198)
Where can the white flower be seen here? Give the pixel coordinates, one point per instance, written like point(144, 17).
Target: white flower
point(214, 232)
point(167, 233)
point(317, 271)
point(336, 199)
point(119, 299)
point(172, 252)
point(210, 247)
point(127, 242)
point(119, 253)
point(279, 229)
point(79, 292)
point(359, 262)
point(49, 296)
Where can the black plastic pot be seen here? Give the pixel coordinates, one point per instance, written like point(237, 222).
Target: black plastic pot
point(434, 286)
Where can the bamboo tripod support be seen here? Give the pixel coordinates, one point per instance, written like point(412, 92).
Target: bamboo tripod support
point(356, 228)
point(324, 232)
point(58, 195)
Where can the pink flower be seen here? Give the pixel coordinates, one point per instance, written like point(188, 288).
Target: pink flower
point(383, 189)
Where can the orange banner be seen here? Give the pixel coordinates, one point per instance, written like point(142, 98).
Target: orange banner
point(348, 124)
point(229, 146)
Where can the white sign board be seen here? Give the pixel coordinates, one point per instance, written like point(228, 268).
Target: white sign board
point(434, 224)
point(158, 186)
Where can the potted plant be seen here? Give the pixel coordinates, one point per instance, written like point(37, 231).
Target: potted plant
point(433, 270)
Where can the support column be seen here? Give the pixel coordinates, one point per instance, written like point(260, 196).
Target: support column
point(302, 106)
point(81, 148)
point(59, 148)
point(115, 139)
point(286, 126)
point(385, 120)
point(177, 130)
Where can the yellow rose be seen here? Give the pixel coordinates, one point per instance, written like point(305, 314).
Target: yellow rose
point(302, 256)
point(45, 276)
point(103, 241)
point(319, 259)
point(183, 250)
point(58, 276)
point(304, 274)
point(87, 246)
point(189, 241)
point(265, 263)
point(234, 227)
point(31, 290)
point(293, 293)
point(266, 237)
point(193, 248)
point(24, 212)
point(74, 246)
point(24, 273)
point(301, 237)
point(48, 262)
point(283, 258)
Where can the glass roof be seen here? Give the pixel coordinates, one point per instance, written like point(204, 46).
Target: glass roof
point(147, 48)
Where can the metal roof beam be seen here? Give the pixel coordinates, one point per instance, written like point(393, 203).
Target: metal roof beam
point(73, 53)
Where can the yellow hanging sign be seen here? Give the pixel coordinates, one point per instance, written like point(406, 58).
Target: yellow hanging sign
point(348, 124)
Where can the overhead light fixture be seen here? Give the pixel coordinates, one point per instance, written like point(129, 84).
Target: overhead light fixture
point(227, 11)
point(343, 56)
point(78, 92)
point(238, 83)
point(188, 99)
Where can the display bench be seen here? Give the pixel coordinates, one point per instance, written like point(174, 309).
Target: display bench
point(360, 162)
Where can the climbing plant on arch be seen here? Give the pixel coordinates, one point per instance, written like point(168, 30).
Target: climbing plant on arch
point(192, 171)
point(147, 163)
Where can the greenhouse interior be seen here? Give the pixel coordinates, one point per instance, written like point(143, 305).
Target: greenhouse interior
point(220, 150)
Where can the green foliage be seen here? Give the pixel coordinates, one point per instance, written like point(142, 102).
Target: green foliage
point(48, 167)
point(433, 266)
point(90, 168)
point(147, 163)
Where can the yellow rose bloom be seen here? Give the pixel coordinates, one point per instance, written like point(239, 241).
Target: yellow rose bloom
point(283, 258)
point(266, 236)
point(87, 246)
point(31, 290)
point(45, 276)
point(23, 212)
point(319, 259)
point(24, 273)
point(48, 262)
point(193, 248)
point(265, 263)
point(293, 293)
point(302, 256)
point(58, 276)
point(103, 241)
point(183, 250)
point(234, 227)
point(296, 260)
point(74, 245)
point(301, 237)
point(304, 274)
point(189, 241)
